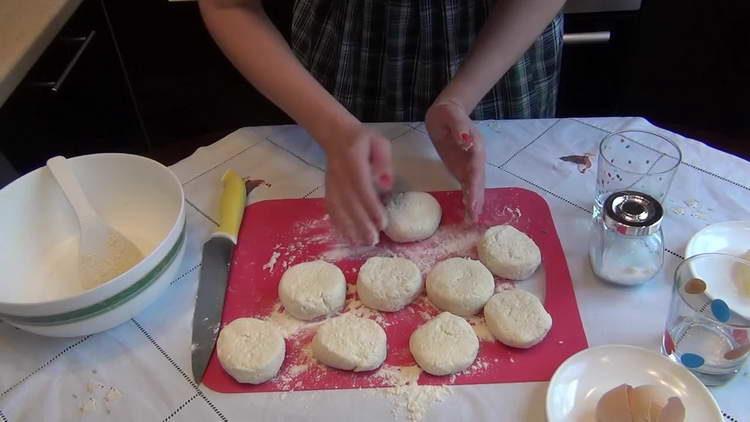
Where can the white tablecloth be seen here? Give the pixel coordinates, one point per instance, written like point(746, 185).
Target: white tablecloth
point(147, 360)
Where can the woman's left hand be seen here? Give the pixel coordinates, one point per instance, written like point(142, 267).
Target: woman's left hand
point(461, 147)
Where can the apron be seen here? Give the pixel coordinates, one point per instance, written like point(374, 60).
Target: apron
point(388, 60)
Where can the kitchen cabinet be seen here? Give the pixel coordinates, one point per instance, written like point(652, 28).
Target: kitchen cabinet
point(690, 69)
point(595, 62)
point(680, 65)
point(145, 77)
point(75, 99)
point(141, 77)
point(183, 83)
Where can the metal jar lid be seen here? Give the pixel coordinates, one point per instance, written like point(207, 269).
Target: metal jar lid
point(633, 213)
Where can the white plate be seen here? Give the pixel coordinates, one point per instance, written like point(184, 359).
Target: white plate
point(580, 381)
point(731, 237)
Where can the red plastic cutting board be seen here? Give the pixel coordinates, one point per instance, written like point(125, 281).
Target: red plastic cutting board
point(297, 230)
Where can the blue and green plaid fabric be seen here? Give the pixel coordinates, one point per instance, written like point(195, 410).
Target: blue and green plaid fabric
point(388, 60)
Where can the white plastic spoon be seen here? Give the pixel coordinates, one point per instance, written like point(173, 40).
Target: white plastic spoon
point(104, 253)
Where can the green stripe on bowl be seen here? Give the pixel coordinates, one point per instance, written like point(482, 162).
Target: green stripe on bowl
point(108, 304)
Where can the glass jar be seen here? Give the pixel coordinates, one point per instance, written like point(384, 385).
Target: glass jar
point(626, 244)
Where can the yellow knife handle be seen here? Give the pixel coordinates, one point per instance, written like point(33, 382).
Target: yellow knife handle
point(231, 205)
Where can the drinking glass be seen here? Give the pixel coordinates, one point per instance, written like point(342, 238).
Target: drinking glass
point(709, 317)
point(635, 160)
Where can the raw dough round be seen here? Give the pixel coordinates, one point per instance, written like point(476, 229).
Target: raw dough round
point(517, 318)
point(460, 285)
point(388, 284)
point(251, 350)
point(313, 289)
point(444, 345)
point(350, 343)
point(412, 216)
point(509, 253)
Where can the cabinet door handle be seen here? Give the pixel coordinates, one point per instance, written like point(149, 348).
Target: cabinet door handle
point(57, 85)
point(600, 37)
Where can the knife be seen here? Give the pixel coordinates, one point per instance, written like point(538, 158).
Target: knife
point(212, 284)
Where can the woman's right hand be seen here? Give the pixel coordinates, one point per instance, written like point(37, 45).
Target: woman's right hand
point(359, 166)
point(359, 159)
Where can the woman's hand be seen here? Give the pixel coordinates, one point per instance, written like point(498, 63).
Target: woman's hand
point(359, 165)
point(462, 149)
point(357, 156)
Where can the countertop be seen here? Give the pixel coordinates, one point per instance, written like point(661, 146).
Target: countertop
point(26, 29)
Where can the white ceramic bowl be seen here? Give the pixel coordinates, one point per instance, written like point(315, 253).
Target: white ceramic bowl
point(39, 288)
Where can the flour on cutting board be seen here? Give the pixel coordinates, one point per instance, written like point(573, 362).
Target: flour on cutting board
point(424, 308)
point(479, 325)
point(351, 289)
point(306, 233)
point(358, 309)
point(480, 365)
point(426, 316)
point(409, 399)
point(448, 241)
point(406, 394)
point(504, 285)
point(288, 325)
point(398, 375)
point(271, 261)
point(304, 226)
point(315, 239)
point(342, 250)
point(512, 214)
point(288, 381)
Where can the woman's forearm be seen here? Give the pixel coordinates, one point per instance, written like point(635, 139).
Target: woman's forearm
point(249, 39)
point(509, 31)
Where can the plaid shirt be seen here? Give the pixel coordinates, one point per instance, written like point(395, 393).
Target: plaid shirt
point(388, 60)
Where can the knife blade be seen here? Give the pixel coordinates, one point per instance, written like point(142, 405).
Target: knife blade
point(214, 274)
